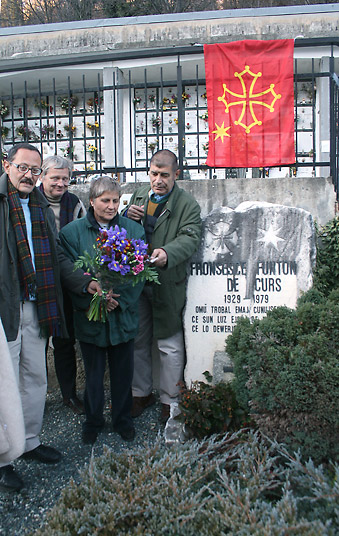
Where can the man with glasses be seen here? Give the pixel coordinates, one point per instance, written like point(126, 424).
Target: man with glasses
point(55, 177)
point(31, 310)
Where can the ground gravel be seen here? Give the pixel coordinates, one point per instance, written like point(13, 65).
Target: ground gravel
point(24, 512)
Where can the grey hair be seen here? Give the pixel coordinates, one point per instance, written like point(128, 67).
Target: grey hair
point(56, 162)
point(101, 184)
point(23, 145)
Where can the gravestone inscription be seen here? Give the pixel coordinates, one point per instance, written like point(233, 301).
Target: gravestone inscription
point(251, 260)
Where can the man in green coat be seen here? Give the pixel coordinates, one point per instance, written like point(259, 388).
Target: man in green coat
point(172, 223)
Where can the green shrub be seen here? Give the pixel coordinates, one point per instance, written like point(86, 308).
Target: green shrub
point(287, 374)
point(326, 277)
point(236, 486)
point(208, 409)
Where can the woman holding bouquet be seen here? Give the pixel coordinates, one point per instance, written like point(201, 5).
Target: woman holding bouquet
point(113, 338)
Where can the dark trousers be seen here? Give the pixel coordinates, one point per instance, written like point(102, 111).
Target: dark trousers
point(120, 363)
point(64, 354)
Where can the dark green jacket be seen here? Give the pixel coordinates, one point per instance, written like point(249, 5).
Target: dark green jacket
point(10, 296)
point(177, 231)
point(122, 325)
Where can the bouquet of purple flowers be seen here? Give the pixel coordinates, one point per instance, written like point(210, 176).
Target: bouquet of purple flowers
point(116, 260)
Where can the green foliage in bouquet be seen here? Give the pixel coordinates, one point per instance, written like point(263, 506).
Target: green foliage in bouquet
point(287, 374)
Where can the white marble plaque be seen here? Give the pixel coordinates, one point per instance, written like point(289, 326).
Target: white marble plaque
point(251, 260)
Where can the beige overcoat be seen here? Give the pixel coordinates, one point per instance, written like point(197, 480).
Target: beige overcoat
point(12, 428)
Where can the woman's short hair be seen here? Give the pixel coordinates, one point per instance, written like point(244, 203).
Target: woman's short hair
point(101, 184)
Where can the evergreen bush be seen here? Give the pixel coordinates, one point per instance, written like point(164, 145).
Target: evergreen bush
point(287, 374)
point(237, 486)
point(326, 276)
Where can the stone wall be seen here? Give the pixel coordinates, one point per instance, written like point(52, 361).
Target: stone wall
point(314, 194)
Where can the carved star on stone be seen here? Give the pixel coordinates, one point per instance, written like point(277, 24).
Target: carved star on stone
point(270, 236)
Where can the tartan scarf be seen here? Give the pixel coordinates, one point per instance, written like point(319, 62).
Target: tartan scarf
point(66, 207)
point(39, 283)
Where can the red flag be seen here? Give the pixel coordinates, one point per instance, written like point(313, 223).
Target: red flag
point(250, 102)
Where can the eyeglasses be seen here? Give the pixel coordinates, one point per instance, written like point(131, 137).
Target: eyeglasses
point(23, 169)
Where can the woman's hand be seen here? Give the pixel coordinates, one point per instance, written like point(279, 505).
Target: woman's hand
point(112, 303)
point(93, 287)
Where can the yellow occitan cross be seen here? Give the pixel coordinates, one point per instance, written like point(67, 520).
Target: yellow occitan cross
point(249, 98)
point(221, 131)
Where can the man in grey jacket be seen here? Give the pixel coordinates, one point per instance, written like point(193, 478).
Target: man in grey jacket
point(55, 177)
point(31, 310)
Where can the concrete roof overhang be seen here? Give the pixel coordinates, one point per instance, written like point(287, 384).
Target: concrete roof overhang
point(75, 49)
point(172, 17)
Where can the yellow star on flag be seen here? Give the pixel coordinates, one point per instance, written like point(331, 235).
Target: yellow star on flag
point(221, 131)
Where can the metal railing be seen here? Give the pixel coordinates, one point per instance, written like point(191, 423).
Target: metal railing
point(334, 128)
point(160, 111)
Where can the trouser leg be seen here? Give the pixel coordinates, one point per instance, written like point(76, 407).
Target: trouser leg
point(65, 365)
point(142, 378)
point(120, 360)
point(64, 355)
point(172, 360)
point(94, 362)
point(28, 356)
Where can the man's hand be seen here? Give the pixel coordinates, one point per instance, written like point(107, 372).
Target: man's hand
point(160, 258)
point(135, 212)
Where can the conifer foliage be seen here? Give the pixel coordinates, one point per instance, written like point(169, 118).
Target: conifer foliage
point(236, 485)
point(286, 365)
point(287, 374)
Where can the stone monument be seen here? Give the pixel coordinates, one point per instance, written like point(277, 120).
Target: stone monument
point(251, 260)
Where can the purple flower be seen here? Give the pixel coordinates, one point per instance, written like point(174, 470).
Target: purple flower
point(114, 266)
point(117, 260)
point(124, 269)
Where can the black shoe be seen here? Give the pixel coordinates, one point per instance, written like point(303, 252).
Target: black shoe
point(128, 434)
point(140, 403)
point(43, 454)
point(89, 437)
point(165, 413)
point(9, 479)
point(75, 404)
